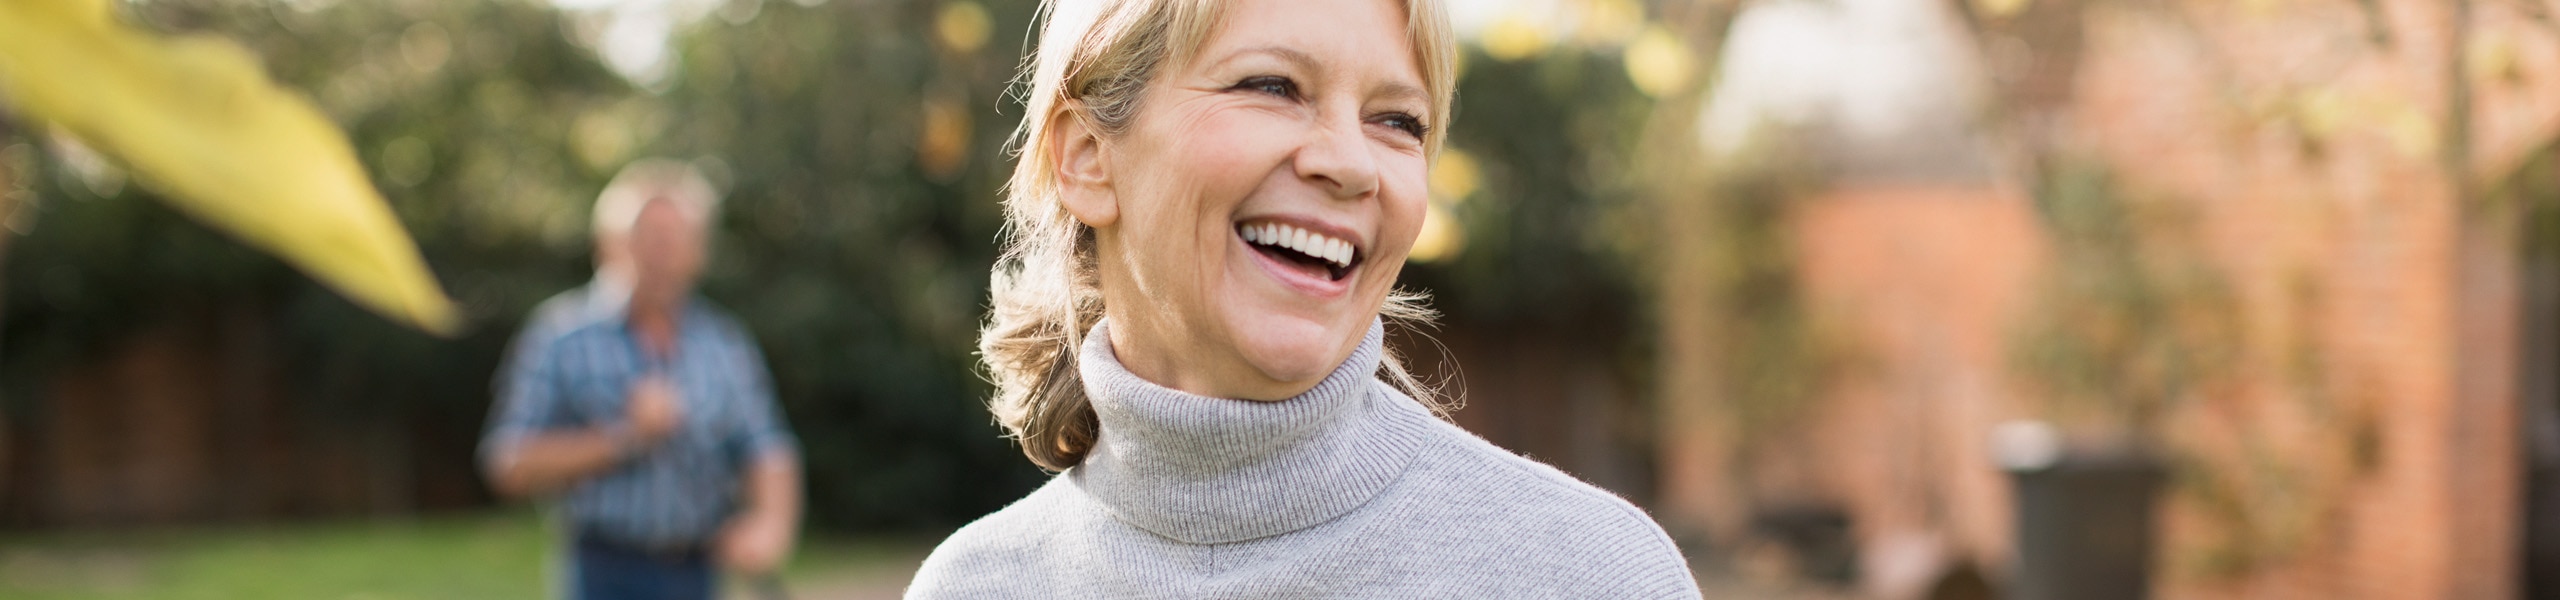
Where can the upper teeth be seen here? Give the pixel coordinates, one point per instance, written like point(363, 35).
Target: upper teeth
point(1305, 242)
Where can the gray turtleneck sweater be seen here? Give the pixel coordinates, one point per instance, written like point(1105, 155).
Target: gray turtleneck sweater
point(1351, 490)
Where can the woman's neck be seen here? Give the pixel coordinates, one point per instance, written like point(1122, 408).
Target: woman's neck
point(1167, 353)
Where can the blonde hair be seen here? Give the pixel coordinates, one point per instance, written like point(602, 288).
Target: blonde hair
point(1094, 61)
point(642, 181)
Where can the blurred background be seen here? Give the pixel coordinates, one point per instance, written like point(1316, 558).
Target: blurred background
point(1861, 298)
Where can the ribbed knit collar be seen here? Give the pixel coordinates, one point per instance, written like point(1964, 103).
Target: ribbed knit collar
point(1207, 470)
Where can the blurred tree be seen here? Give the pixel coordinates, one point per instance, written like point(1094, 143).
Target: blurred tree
point(855, 243)
point(1545, 276)
point(1546, 134)
point(863, 146)
point(459, 109)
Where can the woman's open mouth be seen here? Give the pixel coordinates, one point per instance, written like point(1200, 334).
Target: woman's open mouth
point(1315, 254)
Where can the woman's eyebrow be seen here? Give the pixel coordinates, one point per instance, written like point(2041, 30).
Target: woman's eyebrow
point(1397, 90)
point(1297, 58)
point(1307, 62)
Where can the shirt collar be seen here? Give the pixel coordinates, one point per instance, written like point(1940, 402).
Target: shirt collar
point(609, 294)
point(1212, 470)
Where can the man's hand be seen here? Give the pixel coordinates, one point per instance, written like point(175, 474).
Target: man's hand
point(653, 409)
point(546, 462)
point(755, 543)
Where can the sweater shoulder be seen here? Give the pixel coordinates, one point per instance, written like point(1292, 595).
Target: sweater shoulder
point(1011, 542)
point(1590, 536)
point(1465, 460)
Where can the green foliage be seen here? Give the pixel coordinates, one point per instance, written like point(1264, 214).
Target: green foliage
point(1725, 255)
point(2131, 317)
point(1775, 358)
point(2530, 193)
point(1540, 247)
point(490, 130)
point(859, 258)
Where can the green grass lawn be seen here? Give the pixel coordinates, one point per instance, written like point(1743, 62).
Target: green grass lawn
point(494, 556)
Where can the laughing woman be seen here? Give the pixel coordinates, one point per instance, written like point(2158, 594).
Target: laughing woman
point(1212, 202)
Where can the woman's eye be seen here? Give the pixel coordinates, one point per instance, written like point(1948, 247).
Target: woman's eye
point(1405, 123)
point(1270, 84)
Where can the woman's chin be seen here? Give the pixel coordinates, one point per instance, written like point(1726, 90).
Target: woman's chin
point(1294, 354)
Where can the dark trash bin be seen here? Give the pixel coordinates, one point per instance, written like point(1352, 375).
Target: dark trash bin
point(2085, 527)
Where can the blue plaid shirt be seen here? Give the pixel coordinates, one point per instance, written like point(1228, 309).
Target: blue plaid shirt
point(572, 368)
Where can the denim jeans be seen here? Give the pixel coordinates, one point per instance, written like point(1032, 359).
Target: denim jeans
point(603, 570)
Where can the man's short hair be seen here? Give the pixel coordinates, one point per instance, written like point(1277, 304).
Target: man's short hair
point(618, 208)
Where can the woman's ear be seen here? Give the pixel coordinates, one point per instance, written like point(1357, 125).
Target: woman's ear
point(1084, 168)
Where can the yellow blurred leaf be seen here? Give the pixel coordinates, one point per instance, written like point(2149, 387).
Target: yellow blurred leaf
point(2319, 112)
point(1455, 176)
point(196, 118)
point(2000, 9)
point(2262, 8)
point(2411, 132)
point(1513, 37)
point(1441, 238)
point(962, 26)
point(1610, 22)
point(1657, 62)
point(2494, 57)
point(942, 146)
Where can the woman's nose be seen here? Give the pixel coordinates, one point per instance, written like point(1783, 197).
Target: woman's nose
point(1336, 158)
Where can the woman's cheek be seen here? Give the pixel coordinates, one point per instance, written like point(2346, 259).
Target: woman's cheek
point(1404, 214)
point(1232, 142)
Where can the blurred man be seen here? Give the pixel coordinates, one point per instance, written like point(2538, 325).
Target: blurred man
point(647, 411)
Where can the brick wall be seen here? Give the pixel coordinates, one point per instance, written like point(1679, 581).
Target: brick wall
point(2365, 446)
point(193, 419)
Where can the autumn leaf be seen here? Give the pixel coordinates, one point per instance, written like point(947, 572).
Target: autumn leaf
point(196, 118)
